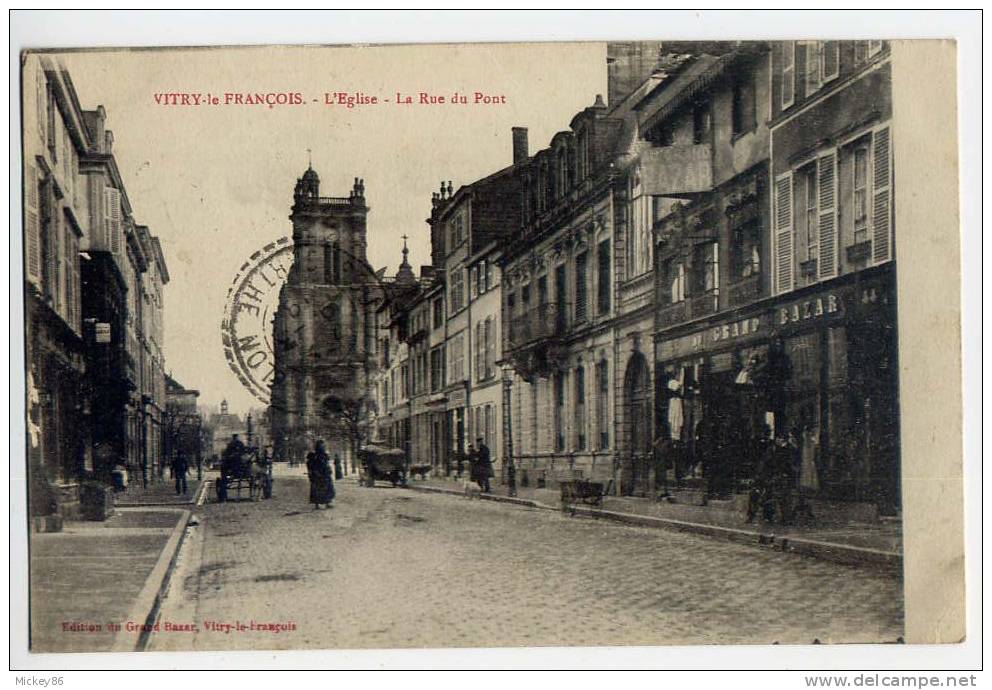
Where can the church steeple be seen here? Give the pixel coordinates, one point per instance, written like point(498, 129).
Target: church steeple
point(405, 276)
point(308, 186)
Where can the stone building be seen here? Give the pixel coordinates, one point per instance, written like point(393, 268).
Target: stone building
point(93, 297)
point(182, 425)
point(56, 220)
point(468, 225)
point(396, 316)
point(222, 426)
point(774, 248)
point(834, 248)
point(324, 335)
point(707, 171)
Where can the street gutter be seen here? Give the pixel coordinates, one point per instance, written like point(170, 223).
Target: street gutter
point(145, 608)
point(887, 562)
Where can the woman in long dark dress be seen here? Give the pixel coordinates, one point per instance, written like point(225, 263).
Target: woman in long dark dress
point(321, 479)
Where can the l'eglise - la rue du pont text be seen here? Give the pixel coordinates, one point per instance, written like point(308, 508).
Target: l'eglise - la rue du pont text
point(358, 98)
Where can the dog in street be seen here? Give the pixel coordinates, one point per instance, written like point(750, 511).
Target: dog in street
point(471, 490)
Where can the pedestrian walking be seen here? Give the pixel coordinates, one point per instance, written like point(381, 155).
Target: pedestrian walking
point(180, 468)
point(473, 464)
point(485, 467)
point(338, 472)
point(321, 480)
point(760, 502)
point(784, 454)
point(809, 476)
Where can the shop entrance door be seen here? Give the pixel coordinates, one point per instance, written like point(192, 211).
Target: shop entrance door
point(636, 476)
point(721, 434)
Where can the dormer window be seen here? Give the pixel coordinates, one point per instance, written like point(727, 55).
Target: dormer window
point(583, 155)
point(562, 173)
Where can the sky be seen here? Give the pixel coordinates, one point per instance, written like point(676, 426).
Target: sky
point(215, 183)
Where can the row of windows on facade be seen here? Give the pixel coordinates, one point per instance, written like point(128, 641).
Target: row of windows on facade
point(579, 290)
point(743, 114)
point(553, 179)
point(820, 62)
point(481, 279)
point(52, 247)
point(569, 392)
point(428, 370)
point(820, 65)
point(838, 199)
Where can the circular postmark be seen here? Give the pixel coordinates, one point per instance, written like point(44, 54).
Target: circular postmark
point(253, 298)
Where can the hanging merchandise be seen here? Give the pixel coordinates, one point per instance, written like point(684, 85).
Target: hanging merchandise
point(675, 412)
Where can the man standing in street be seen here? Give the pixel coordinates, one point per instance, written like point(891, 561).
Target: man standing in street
point(180, 468)
point(484, 467)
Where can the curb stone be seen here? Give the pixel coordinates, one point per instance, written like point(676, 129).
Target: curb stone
point(145, 608)
point(885, 561)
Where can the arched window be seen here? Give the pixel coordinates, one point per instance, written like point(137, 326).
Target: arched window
point(337, 264)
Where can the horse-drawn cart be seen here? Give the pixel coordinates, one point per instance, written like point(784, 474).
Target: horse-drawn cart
point(245, 471)
point(380, 463)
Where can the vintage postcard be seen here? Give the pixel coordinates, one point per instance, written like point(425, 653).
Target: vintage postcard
point(492, 345)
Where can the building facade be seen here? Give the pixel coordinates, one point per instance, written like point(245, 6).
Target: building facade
point(55, 224)
point(88, 269)
point(182, 424)
point(468, 227)
point(774, 299)
point(834, 256)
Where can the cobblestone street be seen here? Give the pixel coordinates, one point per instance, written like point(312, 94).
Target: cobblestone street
point(394, 568)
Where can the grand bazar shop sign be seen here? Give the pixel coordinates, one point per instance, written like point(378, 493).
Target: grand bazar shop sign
point(752, 327)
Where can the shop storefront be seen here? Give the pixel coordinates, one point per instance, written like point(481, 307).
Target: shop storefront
point(817, 365)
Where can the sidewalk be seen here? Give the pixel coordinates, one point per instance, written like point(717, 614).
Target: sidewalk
point(159, 492)
point(92, 575)
point(835, 537)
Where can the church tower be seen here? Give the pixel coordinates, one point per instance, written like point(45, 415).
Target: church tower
point(323, 335)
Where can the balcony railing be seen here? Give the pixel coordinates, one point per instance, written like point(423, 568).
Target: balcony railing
point(745, 290)
point(547, 321)
point(672, 314)
point(703, 304)
point(690, 308)
point(677, 170)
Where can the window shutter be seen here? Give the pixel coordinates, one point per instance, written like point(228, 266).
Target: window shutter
point(32, 226)
point(97, 222)
point(490, 342)
point(479, 351)
point(827, 215)
point(830, 60)
point(783, 233)
point(788, 73)
point(112, 197)
point(881, 212)
point(811, 70)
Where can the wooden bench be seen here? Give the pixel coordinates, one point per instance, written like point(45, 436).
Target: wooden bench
point(583, 491)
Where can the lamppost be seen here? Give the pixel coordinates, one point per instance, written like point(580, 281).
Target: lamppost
point(511, 471)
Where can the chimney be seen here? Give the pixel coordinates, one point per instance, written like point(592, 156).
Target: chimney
point(628, 64)
point(521, 151)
